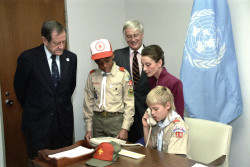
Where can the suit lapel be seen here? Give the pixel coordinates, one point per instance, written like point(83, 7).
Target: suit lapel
point(64, 64)
point(126, 60)
point(44, 66)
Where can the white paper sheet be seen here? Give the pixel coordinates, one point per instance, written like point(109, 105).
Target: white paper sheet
point(199, 165)
point(78, 151)
point(131, 154)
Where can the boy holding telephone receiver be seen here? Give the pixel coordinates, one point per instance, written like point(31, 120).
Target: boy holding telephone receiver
point(169, 131)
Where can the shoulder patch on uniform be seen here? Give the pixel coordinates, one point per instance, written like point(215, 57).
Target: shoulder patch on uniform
point(121, 68)
point(179, 130)
point(92, 71)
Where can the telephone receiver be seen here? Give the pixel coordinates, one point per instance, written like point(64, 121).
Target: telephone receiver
point(151, 121)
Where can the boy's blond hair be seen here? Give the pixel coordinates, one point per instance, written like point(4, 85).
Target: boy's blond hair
point(161, 95)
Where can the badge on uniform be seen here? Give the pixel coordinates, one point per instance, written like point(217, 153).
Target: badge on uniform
point(179, 130)
point(130, 92)
point(130, 83)
point(127, 78)
point(95, 94)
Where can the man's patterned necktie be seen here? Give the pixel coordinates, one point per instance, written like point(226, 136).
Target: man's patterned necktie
point(135, 69)
point(55, 71)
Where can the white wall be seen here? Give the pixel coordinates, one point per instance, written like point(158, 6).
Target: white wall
point(240, 16)
point(166, 23)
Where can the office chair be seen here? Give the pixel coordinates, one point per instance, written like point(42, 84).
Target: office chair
point(209, 141)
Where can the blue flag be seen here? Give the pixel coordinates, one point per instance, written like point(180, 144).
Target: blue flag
point(209, 69)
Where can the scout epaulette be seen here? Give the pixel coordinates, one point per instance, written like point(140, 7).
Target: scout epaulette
point(176, 120)
point(121, 68)
point(92, 71)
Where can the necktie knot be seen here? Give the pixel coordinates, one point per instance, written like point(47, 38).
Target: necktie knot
point(135, 53)
point(104, 74)
point(53, 57)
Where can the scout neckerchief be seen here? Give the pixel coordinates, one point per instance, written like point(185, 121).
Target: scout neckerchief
point(103, 89)
point(162, 125)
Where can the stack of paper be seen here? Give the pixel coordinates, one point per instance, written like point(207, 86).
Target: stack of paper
point(78, 151)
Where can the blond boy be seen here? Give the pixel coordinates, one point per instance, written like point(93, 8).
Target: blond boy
point(170, 133)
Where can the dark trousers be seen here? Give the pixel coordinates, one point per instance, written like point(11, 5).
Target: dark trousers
point(136, 130)
point(55, 139)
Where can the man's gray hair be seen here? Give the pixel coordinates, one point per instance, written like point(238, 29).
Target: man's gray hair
point(134, 24)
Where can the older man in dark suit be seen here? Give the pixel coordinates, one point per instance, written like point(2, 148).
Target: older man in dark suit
point(44, 82)
point(130, 58)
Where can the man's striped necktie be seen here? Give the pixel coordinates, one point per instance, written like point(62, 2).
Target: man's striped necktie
point(135, 69)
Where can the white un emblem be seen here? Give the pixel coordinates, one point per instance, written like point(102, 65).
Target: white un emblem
point(204, 47)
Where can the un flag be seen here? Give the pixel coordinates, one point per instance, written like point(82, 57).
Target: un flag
point(209, 71)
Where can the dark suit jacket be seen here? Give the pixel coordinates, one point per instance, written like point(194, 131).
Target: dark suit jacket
point(39, 99)
point(140, 92)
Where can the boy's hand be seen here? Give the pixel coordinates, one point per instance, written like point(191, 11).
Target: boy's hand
point(123, 135)
point(88, 135)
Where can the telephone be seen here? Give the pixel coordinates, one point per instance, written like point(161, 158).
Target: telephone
point(152, 122)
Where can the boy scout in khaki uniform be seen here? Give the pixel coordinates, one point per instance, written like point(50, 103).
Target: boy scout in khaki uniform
point(108, 97)
point(170, 133)
point(175, 137)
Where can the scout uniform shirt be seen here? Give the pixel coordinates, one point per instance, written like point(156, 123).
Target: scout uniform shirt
point(119, 95)
point(175, 137)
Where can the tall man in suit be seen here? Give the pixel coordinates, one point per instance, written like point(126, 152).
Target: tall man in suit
point(133, 32)
point(44, 82)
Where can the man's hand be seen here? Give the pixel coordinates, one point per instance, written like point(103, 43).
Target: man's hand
point(88, 135)
point(123, 134)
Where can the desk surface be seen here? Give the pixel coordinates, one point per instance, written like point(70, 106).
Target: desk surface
point(152, 158)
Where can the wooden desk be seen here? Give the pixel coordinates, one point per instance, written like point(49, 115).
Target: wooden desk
point(153, 158)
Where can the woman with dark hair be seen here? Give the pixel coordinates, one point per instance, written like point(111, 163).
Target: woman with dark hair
point(153, 65)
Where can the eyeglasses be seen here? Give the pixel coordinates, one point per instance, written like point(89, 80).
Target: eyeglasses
point(130, 37)
point(57, 43)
